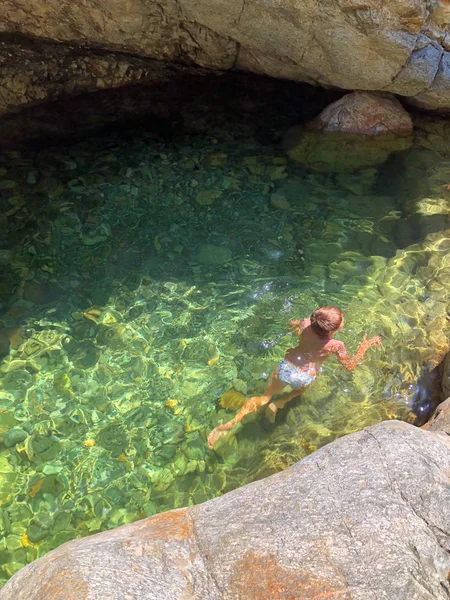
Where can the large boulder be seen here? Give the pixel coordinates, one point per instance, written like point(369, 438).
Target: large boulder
point(400, 46)
point(446, 377)
point(365, 517)
point(358, 131)
point(440, 420)
point(364, 112)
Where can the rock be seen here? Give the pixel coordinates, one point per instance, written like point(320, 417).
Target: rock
point(276, 172)
point(232, 400)
point(279, 201)
point(92, 234)
point(14, 436)
point(7, 184)
point(358, 131)
point(14, 335)
point(446, 377)
point(428, 392)
point(209, 254)
point(364, 112)
point(399, 47)
point(41, 293)
point(207, 197)
point(214, 159)
point(365, 516)
point(433, 134)
point(5, 343)
point(5, 257)
point(440, 421)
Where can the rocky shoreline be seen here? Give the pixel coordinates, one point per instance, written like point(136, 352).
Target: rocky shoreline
point(364, 517)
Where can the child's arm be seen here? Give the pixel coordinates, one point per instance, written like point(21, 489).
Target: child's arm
point(299, 325)
point(350, 362)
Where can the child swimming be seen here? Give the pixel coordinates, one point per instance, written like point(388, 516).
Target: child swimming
point(300, 365)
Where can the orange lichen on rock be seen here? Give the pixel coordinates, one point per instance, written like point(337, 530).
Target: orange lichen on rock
point(35, 488)
point(175, 525)
point(260, 577)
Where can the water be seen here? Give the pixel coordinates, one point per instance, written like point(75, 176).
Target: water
point(147, 287)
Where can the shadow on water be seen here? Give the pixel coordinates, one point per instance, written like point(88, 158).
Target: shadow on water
point(428, 394)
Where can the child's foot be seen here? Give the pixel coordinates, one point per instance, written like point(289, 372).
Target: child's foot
point(271, 412)
point(214, 436)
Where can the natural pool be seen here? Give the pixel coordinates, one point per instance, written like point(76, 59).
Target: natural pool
point(147, 288)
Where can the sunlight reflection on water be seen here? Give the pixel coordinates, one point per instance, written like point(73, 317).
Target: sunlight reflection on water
point(132, 304)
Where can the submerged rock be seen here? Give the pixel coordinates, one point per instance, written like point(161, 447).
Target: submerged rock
point(209, 254)
point(232, 399)
point(41, 293)
point(207, 197)
point(358, 131)
point(4, 344)
point(14, 436)
point(342, 523)
point(92, 234)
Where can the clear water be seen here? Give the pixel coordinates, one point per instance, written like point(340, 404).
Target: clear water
point(144, 279)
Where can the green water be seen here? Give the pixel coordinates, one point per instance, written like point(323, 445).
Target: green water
point(145, 278)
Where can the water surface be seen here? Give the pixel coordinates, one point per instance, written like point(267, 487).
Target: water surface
point(147, 288)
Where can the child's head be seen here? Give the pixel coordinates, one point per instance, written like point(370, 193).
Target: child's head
point(327, 320)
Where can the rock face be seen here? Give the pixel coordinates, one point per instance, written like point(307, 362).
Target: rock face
point(400, 46)
point(364, 517)
point(31, 73)
point(364, 112)
point(333, 140)
point(440, 421)
point(446, 377)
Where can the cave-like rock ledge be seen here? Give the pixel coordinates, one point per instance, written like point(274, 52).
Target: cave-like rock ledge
point(54, 47)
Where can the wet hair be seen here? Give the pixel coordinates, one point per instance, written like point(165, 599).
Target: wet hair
point(326, 320)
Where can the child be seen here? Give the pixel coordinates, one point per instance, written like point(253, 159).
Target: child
point(301, 364)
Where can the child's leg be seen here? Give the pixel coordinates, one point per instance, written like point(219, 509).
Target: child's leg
point(252, 405)
point(282, 401)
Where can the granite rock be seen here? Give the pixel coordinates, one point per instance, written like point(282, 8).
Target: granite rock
point(358, 131)
point(365, 517)
point(401, 46)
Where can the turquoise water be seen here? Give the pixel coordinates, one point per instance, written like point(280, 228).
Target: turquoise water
point(146, 278)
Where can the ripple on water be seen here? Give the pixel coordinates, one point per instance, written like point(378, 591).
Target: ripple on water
point(148, 291)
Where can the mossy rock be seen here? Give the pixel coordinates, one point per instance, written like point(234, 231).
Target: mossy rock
point(232, 400)
point(338, 152)
point(209, 254)
point(113, 438)
point(14, 436)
